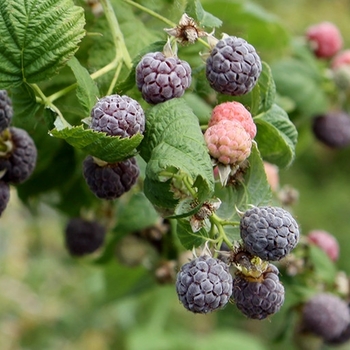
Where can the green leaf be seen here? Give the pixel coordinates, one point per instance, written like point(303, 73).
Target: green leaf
point(87, 90)
point(254, 190)
point(323, 267)
point(205, 18)
point(187, 237)
point(298, 81)
point(37, 38)
point(276, 136)
point(111, 149)
point(24, 104)
point(174, 144)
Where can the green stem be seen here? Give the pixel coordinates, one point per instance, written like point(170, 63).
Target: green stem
point(117, 34)
point(217, 221)
point(115, 78)
point(188, 184)
point(152, 13)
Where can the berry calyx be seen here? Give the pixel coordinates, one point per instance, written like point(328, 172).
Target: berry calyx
point(233, 111)
point(161, 78)
point(83, 236)
point(233, 67)
point(228, 142)
point(204, 284)
point(110, 181)
point(118, 115)
point(258, 298)
point(325, 39)
point(269, 232)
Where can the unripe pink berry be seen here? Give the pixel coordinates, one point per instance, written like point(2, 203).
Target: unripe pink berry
point(325, 39)
point(272, 175)
point(228, 142)
point(233, 111)
point(325, 241)
point(341, 59)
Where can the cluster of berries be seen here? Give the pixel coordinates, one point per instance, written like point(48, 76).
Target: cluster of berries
point(325, 40)
point(206, 284)
point(18, 153)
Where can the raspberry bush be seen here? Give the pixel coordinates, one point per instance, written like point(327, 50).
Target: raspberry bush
point(153, 144)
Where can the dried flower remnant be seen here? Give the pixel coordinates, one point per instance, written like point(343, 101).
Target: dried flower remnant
point(186, 31)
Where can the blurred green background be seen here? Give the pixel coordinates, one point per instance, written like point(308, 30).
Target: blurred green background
point(49, 300)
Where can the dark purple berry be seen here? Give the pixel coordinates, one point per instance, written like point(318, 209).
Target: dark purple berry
point(258, 298)
point(161, 78)
point(6, 111)
point(83, 236)
point(325, 315)
point(110, 181)
point(233, 67)
point(19, 162)
point(118, 116)
point(4, 195)
point(332, 129)
point(269, 232)
point(204, 284)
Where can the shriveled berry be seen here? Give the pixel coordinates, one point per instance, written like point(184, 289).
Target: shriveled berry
point(327, 242)
point(325, 39)
point(6, 110)
point(233, 111)
point(269, 232)
point(118, 116)
point(233, 67)
point(161, 78)
point(204, 284)
point(4, 195)
point(19, 162)
point(110, 181)
point(332, 129)
point(228, 142)
point(83, 236)
point(325, 315)
point(258, 298)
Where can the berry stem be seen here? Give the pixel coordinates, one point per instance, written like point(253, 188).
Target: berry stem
point(118, 38)
point(161, 18)
point(218, 222)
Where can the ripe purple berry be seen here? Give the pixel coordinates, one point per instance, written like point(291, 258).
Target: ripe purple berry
point(325, 315)
point(19, 162)
point(269, 232)
point(6, 111)
point(233, 67)
point(110, 181)
point(332, 129)
point(258, 298)
point(4, 195)
point(204, 284)
point(83, 236)
point(118, 116)
point(161, 78)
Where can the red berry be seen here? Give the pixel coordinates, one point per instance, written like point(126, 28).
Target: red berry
point(228, 142)
point(234, 111)
point(341, 59)
point(326, 242)
point(325, 39)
